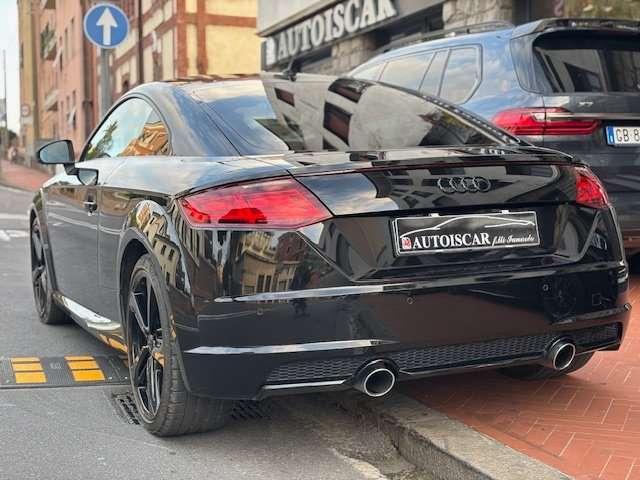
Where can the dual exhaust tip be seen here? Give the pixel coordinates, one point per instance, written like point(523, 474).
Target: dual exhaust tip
point(376, 378)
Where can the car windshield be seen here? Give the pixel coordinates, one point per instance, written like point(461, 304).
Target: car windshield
point(323, 113)
point(588, 62)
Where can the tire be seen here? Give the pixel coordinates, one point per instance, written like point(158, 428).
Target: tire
point(165, 405)
point(48, 311)
point(539, 372)
point(634, 263)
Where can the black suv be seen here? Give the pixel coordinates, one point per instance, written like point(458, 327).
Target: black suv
point(567, 84)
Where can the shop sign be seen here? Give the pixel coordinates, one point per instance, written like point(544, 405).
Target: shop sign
point(343, 19)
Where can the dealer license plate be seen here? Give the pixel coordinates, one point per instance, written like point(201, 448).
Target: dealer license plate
point(455, 233)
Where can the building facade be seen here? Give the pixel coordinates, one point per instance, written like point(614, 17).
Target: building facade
point(168, 39)
point(185, 38)
point(331, 36)
point(57, 74)
point(29, 128)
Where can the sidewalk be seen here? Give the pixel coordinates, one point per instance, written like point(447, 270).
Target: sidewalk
point(18, 176)
point(586, 425)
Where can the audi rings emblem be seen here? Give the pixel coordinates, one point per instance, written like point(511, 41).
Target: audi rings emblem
point(464, 184)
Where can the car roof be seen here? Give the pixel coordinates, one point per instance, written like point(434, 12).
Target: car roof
point(505, 33)
point(471, 38)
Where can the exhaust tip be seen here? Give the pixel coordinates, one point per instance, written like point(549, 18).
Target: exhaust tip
point(564, 356)
point(375, 379)
point(378, 382)
point(560, 355)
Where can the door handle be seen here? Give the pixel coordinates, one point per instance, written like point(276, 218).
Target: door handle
point(90, 206)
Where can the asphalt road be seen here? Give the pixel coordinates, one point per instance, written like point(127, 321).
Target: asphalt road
point(79, 432)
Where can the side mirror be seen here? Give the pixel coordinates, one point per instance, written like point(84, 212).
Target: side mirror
point(59, 152)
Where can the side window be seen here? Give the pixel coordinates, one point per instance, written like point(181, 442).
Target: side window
point(407, 71)
point(370, 73)
point(153, 139)
point(431, 83)
point(461, 75)
point(132, 129)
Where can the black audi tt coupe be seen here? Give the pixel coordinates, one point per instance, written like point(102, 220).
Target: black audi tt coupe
point(276, 234)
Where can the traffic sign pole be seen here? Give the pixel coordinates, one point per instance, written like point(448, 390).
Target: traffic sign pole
point(105, 82)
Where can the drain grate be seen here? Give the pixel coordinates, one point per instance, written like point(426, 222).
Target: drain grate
point(126, 407)
point(242, 410)
point(248, 410)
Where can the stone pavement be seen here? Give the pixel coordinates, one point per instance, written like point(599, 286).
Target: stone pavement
point(586, 425)
point(19, 176)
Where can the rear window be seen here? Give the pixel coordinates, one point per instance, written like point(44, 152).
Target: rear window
point(583, 63)
point(336, 114)
point(245, 108)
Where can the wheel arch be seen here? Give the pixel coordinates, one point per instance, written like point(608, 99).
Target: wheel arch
point(133, 251)
point(144, 223)
point(148, 227)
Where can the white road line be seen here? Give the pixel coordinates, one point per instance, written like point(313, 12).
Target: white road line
point(7, 235)
point(13, 216)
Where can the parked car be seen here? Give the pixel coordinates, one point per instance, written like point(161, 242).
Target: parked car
point(567, 84)
point(264, 236)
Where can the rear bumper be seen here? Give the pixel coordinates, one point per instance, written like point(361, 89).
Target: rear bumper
point(298, 341)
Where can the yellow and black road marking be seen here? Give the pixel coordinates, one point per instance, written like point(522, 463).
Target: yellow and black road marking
point(68, 371)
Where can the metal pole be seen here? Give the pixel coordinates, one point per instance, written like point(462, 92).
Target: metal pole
point(105, 83)
point(5, 134)
point(140, 44)
point(35, 108)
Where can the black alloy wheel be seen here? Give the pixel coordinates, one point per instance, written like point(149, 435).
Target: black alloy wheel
point(146, 355)
point(166, 406)
point(48, 311)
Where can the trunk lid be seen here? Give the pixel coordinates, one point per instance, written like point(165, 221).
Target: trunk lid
point(376, 197)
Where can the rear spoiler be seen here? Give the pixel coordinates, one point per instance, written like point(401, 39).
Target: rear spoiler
point(555, 24)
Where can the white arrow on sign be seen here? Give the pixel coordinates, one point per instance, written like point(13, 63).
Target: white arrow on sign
point(107, 22)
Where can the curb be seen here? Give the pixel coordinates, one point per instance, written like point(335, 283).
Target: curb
point(442, 446)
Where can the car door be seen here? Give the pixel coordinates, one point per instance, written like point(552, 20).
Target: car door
point(72, 207)
point(72, 230)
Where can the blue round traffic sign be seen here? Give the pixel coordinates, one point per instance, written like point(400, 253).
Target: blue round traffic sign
point(105, 25)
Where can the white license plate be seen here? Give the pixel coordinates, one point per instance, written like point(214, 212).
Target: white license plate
point(623, 136)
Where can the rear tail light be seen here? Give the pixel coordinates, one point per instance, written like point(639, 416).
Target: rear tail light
point(589, 190)
point(543, 121)
point(274, 204)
